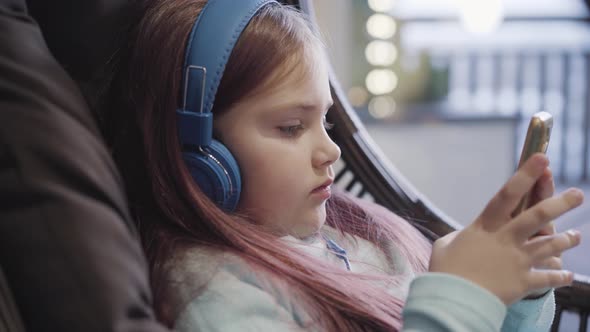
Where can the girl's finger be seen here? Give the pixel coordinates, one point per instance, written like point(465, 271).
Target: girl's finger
point(548, 229)
point(539, 279)
point(551, 263)
point(498, 210)
point(544, 247)
point(534, 219)
point(544, 188)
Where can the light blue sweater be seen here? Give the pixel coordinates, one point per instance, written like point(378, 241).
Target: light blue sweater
point(234, 299)
point(443, 302)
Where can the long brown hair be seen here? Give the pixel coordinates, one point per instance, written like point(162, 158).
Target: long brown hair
point(173, 215)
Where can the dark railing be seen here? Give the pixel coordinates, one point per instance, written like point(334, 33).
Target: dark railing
point(499, 75)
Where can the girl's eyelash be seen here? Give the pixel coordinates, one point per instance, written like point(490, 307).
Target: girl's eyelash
point(291, 131)
point(295, 130)
point(327, 124)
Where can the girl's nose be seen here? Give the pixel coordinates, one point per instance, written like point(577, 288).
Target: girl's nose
point(326, 153)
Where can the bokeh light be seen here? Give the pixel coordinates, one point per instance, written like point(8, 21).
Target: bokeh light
point(381, 5)
point(381, 81)
point(380, 53)
point(358, 95)
point(381, 26)
point(382, 107)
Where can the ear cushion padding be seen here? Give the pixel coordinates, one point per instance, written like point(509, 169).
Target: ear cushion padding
point(217, 174)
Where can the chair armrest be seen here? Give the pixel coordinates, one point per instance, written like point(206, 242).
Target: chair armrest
point(575, 297)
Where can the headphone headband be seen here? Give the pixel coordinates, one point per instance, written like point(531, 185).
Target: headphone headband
point(210, 43)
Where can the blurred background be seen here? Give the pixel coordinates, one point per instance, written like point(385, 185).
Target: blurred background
point(446, 88)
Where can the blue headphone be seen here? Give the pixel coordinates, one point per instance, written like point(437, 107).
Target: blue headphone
point(210, 43)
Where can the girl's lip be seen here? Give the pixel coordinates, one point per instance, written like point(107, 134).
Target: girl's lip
point(324, 186)
point(322, 192)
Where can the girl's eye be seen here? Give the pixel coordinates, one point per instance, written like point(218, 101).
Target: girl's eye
point(291, 131)
point(327, 125)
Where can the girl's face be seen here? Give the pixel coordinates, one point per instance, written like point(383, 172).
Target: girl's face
point(285, 155)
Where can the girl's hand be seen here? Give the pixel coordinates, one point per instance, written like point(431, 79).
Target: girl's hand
point(543, 189)
point(499, 252)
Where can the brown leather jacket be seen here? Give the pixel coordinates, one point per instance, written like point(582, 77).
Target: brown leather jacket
point(68, 249)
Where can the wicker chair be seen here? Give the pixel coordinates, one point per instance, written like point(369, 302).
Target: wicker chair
point(365, 171)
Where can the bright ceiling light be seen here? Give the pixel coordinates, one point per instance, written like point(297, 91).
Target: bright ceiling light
point(481, 17)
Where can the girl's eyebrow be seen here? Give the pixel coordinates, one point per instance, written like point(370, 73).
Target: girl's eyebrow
point(304, 107)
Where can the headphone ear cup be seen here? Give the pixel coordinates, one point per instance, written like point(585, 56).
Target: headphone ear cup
point(217, 173)
point(231, 193)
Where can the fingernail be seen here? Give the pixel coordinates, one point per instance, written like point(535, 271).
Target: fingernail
point(545, 160)
point(576, 193)
point(567, 275)
point(574, 234)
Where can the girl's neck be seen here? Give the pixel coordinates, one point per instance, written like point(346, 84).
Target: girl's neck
point(310, 239)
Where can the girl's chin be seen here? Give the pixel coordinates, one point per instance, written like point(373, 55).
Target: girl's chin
point(309, 230)
point(302, 228)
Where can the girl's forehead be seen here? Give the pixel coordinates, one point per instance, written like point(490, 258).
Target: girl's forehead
point(297, 73)
point(300, 79)
point(300, 75)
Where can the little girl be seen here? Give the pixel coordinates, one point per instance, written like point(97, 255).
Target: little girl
point(263, 242)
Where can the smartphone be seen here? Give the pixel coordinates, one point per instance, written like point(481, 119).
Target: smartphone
point(537, 140)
